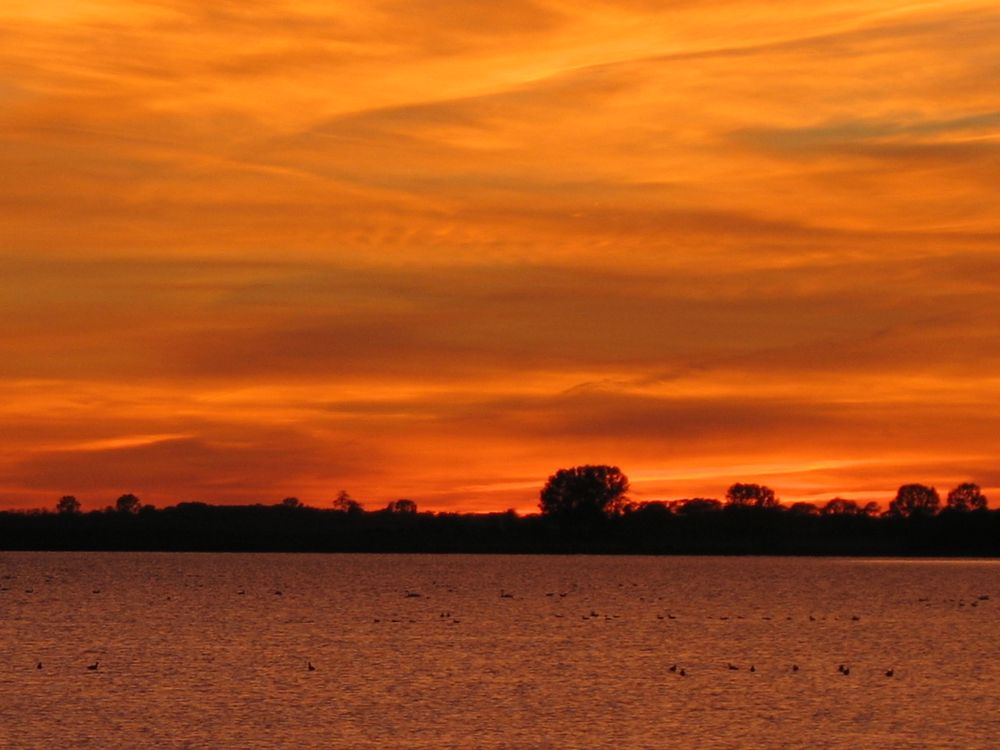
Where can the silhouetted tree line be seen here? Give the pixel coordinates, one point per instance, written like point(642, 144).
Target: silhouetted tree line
point(584, 509)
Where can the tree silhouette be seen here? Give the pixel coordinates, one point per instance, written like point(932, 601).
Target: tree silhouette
point(402, 506)
point(68, 505)
point(741, 495)
point(291, 502)
point(585, 493)
point(967, 496)
point(128, 504)
point(696, 526)
point(346, 504)
point(915, 500)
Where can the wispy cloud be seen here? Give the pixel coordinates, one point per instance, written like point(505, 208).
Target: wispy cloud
point(405, 248)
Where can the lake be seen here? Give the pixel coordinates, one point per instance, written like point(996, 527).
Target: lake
point(480, 652)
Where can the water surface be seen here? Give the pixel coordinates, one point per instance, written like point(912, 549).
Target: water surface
point(480, 652)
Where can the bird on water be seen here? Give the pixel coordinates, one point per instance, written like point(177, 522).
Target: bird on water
point(310, 667)
point(93, 667)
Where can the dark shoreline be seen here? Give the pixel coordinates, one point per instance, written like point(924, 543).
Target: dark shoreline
point(196, 527)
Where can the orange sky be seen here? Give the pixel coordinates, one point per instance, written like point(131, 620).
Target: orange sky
point(438, 250)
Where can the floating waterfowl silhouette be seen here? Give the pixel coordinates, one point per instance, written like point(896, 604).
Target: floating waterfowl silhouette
point(889, 672)
point(93, 667)
point(310, 667)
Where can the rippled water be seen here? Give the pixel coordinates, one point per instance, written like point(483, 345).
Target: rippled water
point(212, 651)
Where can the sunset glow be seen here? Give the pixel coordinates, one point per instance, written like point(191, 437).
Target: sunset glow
point(438, 250)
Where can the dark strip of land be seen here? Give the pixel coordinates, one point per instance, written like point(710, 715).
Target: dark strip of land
point(655, 531)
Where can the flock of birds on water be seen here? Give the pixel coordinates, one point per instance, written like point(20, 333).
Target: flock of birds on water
point(673, 668)
point(842, 669)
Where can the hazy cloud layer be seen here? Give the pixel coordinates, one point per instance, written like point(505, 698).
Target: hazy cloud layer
point(437, 250)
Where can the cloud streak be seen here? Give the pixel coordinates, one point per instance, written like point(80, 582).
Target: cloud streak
point(438, 250)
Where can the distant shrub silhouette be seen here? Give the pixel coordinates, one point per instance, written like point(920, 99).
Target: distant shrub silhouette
point(128, 504)
point(742, 495)
point(698, 505)
point(68, 505)
point(838, 506)
point(585, 493)
point(655, 510)
point(913, 500)
point(966, 497)
point(803, 509)
point(291, 502)
point(870, 509)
